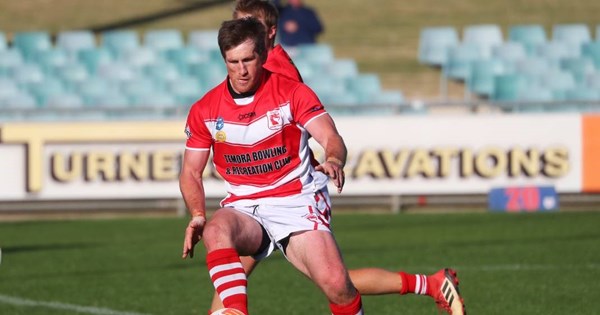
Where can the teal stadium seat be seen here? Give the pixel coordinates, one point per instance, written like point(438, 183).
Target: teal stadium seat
point(162, 72)
point(72, 75)
point(9, 59)
point(592, 50)
point(186, 90)
point(509, 52)
point(50, 59)
point(314, 53)
point(458, 65)
point(30, 42)
point(388, 98)
point(210, 74)
point(580, 67)
point(156, 99)
point(3, 44)
point(555, 50)
point(306, 69)
point(185, 56)
point(141, 57)
point(365, 85)
point(92, 58)
point(74, 41)
point(27, 73)
point(138, 88)
point(509, 87)
point(163, 39)
point(112, 100)
point(583, 93)
point(593, 80)
point(529, 35)
point(534, 66)
point(44, 90)
point(481, 79)
point(64, 100)
point(532, 99)
point(8, 88)
point(342, 68)
point(559, 81)
point(326, 87)
point(19, 100)
point(204, 39)
point(572, 34)
point(117, 71)
point(485, 36)
point(434, 43)
point(95, 87)
point(120, 41)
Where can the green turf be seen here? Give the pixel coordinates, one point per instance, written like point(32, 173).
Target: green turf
point(508, 264)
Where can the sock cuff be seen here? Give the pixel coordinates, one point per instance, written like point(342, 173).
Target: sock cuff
point(405, 285)
point(353, 308)
point(224, 254)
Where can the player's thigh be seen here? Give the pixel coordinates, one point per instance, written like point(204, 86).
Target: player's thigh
point(229, 228)
point(316, 254)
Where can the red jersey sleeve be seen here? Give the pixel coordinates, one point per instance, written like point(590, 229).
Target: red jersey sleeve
point(278, 61)
point(305, 105)
point(198, 135)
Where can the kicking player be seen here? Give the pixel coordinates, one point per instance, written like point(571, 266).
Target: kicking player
point(442, 286)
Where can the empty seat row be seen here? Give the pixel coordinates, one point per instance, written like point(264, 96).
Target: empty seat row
point(435, 42)
point(116, 41)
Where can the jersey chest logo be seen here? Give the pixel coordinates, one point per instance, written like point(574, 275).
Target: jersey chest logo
point(274, 119)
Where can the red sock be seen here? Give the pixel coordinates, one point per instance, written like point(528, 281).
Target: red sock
point(228, 277)
point(354, 308)
point(413, 283)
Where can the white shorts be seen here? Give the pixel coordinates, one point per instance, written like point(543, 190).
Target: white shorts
point(280, 220)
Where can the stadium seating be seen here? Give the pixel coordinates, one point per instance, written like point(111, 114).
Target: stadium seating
point(527, 66)
point(204, 39)
point(125, 69)
point(31, 42)
point(163, 39)
point(3, 44)
point(484, 36)
point(120, 41)
point(74, 41)
point(92, 58)
point(9, 59)
point(458, 65)
point(434, 43)
point(574, 35)
point(529, 35)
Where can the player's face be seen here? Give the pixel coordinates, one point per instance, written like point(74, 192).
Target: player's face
point(244, 67)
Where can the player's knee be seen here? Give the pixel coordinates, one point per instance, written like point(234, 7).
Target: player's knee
point(338, 287)
point(216, 235)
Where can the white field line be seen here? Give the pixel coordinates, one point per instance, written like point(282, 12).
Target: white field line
point(62, 306)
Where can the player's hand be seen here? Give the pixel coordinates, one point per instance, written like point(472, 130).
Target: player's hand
point(335, 171)
point(193, 234)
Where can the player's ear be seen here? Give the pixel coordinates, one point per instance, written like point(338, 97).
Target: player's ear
point(271, 32)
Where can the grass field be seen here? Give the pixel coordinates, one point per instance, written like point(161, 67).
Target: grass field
point(382, 36)
point(507, 264)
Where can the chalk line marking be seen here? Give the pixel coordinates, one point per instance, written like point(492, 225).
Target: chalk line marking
point(6, 299)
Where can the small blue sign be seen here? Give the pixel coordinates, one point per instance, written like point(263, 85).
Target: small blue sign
point(523, 199)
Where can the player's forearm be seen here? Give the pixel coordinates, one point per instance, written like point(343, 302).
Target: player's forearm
point(193, 194)
point(335, 150)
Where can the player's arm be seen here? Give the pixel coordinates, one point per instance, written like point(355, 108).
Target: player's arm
point(323, 130)
point(192, 190)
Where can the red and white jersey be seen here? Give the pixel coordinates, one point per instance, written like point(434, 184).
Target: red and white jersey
point(278, 61)
point(260, 148)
